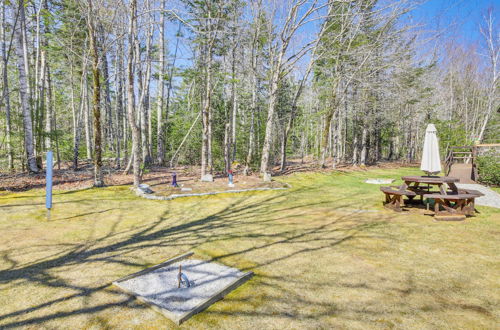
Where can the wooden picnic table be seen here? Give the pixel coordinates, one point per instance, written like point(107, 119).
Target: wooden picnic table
point(413, 183)
point(457, 203)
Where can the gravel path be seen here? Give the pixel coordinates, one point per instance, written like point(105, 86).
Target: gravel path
point(490, 198)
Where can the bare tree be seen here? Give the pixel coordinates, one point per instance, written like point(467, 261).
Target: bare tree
point(136, 135)
point(492, 39)
point(6, 91)
point(96, 97)
point(298, 15)
point(160, 134)
point(22, 64)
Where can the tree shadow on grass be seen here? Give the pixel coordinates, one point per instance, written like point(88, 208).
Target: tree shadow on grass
point(264, 222)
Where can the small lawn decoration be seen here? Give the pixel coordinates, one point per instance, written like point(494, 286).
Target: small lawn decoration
point(230, 177)
point(174, 180)
point(48, 184)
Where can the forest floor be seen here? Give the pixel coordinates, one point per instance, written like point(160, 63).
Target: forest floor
point(160, 178)
point(325, 254)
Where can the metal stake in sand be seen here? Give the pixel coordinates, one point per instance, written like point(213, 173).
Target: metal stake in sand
point(182, 279)
point(48, 184)
point(179, 277)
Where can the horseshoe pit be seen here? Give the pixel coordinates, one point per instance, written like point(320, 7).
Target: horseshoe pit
point(183, 286)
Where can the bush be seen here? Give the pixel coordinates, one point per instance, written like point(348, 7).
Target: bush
point(489, 168)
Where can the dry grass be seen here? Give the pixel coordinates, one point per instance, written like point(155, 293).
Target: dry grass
point(326, 255)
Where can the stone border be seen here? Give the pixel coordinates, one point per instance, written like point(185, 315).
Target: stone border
point(140, 193)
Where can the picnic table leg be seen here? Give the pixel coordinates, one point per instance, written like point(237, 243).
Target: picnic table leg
point(448, 206)
point(394, 202)
point(407, 185)
point(398, 202)
point(389, 201)
point(473, 206)
point(442, 189)
point(468, 206)
point(445, 204)
point(453, 187)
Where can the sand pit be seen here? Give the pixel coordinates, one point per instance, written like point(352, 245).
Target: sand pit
point(158, 286)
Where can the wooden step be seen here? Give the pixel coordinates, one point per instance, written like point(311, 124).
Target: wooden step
point(445, 216)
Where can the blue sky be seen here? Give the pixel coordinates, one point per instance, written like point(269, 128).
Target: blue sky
point(455, 19)
point(458, 18)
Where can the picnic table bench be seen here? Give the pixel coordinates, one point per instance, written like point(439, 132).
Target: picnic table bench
point(456, 206)
point(394, 197)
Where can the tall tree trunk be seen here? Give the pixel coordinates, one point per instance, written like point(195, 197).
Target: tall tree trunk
point(24, 92)
point(364, 146)
point(255, 85)
point(48, 107)
point(337, 130)
point(144, 96)
point(355, 149)
point(108, 127)
point(144, 79)
point(6, 92)
point(234, 106)
point(493, 53)
point(206, 165)
point(86, 119)
point(230, 132)
point(119, 102)
point(38, 90)
point(266, 148)
point(326, 134)
point(78, 114)
point(136, 135)
point(96, 100)
point(227, 147)
point(39, 102)
point(160, 135)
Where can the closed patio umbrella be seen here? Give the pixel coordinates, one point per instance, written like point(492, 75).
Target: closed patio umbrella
point(431, 163)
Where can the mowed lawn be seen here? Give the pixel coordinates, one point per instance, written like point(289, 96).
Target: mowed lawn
point(325, 254)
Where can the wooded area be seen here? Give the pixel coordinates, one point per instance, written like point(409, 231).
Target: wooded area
point(217, 83)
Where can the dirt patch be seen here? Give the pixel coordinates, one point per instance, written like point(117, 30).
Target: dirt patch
point(188, 184)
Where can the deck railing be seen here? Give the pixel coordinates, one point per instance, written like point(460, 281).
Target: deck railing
point(465, 154)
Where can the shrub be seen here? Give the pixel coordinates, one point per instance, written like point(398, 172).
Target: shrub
point(489, 168)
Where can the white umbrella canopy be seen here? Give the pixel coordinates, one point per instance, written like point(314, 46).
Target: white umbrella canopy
point(431, 163)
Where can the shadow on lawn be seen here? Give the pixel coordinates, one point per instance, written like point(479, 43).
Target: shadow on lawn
point(262, 223)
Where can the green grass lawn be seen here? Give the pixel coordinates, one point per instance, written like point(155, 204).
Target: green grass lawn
point(325, 253)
